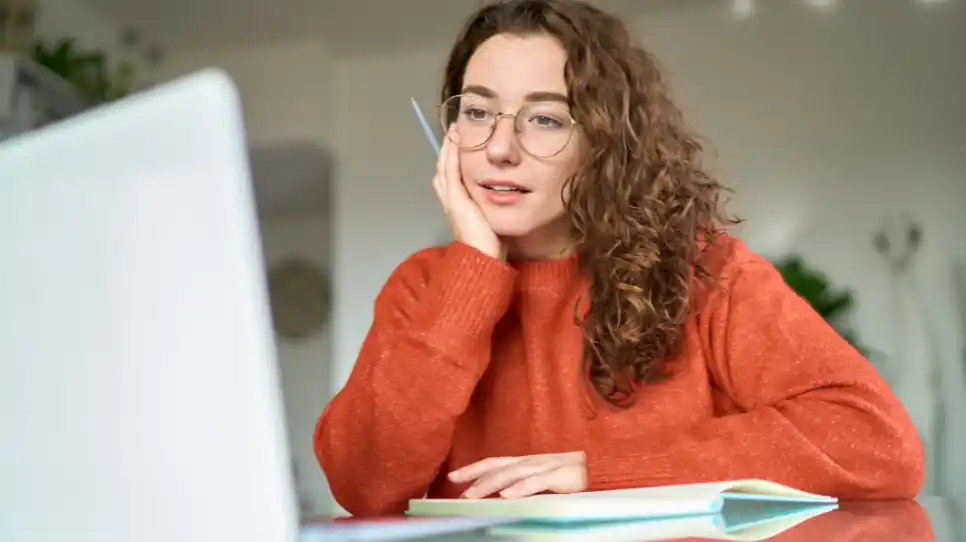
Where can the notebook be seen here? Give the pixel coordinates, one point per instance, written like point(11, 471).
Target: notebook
point(623, 504)
point(750, 521)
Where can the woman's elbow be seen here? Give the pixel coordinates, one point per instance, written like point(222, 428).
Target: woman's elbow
point(905, 472)
point(892, 468)
point(359, 502)
point(347, 484)
point(354, 497)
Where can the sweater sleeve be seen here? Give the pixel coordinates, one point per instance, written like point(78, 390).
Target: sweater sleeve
point(383, 438)
point(812, 411)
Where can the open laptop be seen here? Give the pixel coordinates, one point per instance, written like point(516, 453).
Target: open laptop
point(139, 399)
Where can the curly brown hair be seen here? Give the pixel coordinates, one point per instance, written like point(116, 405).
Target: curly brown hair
point(641, 207)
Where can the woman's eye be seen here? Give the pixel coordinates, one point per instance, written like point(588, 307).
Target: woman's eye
point(545, 121)
point(474, 113)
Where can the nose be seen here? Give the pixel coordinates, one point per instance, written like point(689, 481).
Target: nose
point(503, 147)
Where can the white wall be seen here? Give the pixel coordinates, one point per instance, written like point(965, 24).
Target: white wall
point(70, 18)
point(384, 204)
point(285, 88)
point(823, 122)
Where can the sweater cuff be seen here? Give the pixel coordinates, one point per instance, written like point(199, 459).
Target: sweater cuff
point(471, 291)
point(622, 470)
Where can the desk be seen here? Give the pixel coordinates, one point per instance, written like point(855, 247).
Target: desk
point(927, 519)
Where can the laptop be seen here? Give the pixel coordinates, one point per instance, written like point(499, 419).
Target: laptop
point(139, 398)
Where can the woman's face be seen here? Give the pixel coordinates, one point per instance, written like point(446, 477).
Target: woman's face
point(521, 76)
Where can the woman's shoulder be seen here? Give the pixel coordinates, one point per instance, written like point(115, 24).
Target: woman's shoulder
point(724, 255)
point(733, 270)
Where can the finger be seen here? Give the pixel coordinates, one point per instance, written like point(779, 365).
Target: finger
point(531, 485)
point(475, 470)
point(438, 187)
point(499, 479)
point(441, 159)
point(453, 174)
point(439, 180)
point(453, 159)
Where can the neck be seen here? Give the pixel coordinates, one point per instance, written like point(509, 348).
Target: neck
point(549, 242)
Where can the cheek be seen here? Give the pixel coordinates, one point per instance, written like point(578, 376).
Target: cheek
point(469, 165)
point(469, 170)
point(562, 172)
point(555, 196)
point(568, 166)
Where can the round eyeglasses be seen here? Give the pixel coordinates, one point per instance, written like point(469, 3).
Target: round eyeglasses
point(543, 129)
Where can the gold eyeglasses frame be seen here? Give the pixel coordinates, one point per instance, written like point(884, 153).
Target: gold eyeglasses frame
point(497, 117)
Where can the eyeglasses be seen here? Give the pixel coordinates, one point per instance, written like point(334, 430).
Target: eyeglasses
point(543, 129)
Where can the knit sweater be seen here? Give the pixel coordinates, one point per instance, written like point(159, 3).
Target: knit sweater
point(470, 357)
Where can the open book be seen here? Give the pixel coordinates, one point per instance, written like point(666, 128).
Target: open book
point(625, 504)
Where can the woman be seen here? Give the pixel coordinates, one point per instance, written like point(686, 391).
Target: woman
point(592, 326)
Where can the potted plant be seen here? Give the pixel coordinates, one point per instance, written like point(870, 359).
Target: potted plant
point(89, 71)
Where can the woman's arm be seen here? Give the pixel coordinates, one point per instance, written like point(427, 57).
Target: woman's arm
point(814, 412)
point(382, 440)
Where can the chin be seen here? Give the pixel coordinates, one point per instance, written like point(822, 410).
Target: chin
point(512, 230)
point(509, 226)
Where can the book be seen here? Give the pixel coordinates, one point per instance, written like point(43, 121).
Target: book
point(624, 504)
point(761, 521)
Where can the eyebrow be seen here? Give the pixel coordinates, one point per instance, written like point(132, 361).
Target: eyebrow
point(537, 96)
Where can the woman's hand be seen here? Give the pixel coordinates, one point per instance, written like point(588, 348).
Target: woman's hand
point(465, 217)
point(514, 477)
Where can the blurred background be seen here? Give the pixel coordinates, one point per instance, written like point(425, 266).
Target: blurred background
point(841, 125)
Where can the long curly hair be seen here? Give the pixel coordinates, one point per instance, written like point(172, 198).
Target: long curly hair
point(641, 207)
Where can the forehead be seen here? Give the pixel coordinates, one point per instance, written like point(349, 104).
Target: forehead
point(514, 66)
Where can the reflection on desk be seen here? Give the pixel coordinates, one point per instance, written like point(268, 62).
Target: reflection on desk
point(900, 521)
point(948, 517)
point(930, 520)
point(739, 520)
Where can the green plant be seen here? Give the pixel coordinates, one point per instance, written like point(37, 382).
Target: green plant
point(88, 70)
point(833, 304)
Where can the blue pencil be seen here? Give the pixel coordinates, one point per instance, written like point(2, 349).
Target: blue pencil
point(433, 142)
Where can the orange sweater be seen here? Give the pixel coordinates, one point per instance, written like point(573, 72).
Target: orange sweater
point(469, 357)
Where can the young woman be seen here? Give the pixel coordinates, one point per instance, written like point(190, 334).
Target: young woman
point(592, 326)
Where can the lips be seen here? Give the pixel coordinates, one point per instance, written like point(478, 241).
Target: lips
point(504, 186)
